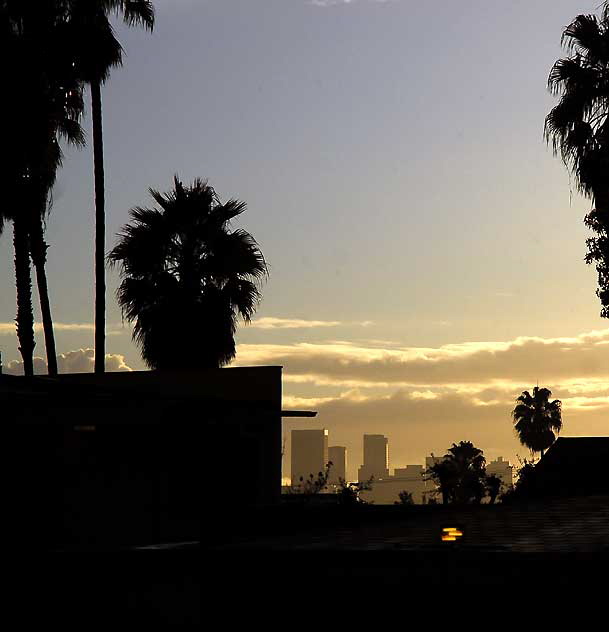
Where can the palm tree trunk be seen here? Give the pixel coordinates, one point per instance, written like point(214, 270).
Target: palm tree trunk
point(100, 229)
point(38, 249)
point(25, 313)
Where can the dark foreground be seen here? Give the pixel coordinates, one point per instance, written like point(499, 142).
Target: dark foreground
point(258, 556)
point(564, 542)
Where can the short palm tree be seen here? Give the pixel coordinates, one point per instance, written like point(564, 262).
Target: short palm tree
point(461, 475)
point(578, 128)
point(186, 277)
point(537, 420)
point(96, 52)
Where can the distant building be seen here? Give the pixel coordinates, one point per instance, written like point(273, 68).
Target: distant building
point(432, 460)
point(502, 469)
point(309, 453)
point(405, 479)
point(376, 458)
point(338, 455)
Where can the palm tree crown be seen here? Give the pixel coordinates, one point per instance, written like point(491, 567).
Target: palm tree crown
point(461, 474)
point(537, 420)
point(186, 277)
point(578, 128)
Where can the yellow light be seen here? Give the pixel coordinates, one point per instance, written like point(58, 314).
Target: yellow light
point(451, 534)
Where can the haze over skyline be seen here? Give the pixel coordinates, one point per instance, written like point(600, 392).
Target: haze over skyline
point(425, 251)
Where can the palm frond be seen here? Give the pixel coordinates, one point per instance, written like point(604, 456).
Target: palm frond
point(179, 262)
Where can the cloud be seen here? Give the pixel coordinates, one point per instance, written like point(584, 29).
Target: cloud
point(271, 322)
point(9, 328)
point(79, 361)
point(521, 361)
point(291, 323)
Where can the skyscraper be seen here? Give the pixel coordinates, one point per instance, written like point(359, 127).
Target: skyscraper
point(338, 455)
point(309, 453)
point(376, 458)
point(502, 469)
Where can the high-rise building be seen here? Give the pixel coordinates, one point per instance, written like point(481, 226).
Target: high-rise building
point(376, 458)
point(432, 460)
point(309, 453)
point(502, 469)
point(338, 455)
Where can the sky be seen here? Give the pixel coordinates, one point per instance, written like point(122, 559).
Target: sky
point(425, 248)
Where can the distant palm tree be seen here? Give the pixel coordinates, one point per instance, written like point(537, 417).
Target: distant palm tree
point(493, 487)
point(186, 277)
point(578, 128)
point(97, 51)
point(537, 420)
point(460, 475)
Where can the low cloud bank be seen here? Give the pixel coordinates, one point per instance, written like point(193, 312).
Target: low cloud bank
point(79, 361)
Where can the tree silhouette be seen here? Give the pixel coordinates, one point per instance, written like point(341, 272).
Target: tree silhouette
point(97, 51)
point(493, 487)
point(44, 105)
point(460, 475)
point(186, 277)
point(537, 420)
point(578, 128)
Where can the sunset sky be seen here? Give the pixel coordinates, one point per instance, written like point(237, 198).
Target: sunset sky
point(425, 248)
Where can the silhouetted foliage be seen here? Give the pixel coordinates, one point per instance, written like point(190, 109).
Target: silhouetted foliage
point(313, 484)
point(493, 486)
point(523, 488)
point(42, 105)
point(349, 494)
point(185, 277)
point(460, 476)
point(405, 498)
point(578, 128)
point(537, 420)
point(96, 51)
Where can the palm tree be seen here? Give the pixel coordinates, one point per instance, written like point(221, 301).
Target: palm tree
point(578, 128)
point(461, 474)
point(186, 277)
point(493, 487)
point(45, 105)
point(97, 51)
point(537, 420)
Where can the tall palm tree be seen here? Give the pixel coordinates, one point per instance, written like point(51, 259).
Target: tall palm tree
point(97, 52)
point(186, 277)
point(537, 420)
point(578, 128)
point(45, 105)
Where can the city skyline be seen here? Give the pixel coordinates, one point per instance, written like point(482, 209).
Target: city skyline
point(316, 448)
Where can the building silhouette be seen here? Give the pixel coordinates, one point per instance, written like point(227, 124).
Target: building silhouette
point(376, 458)
point(309, 453)
point(121, 458)
point(338, 456)
point(502, 469)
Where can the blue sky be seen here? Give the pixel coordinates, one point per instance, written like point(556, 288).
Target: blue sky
point(392, 159)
